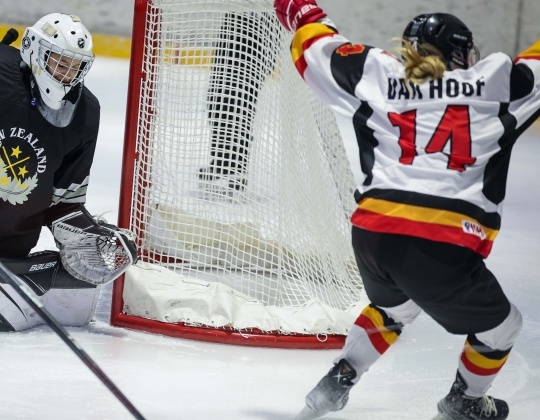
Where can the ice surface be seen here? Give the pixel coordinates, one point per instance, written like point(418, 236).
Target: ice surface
point(166, 378)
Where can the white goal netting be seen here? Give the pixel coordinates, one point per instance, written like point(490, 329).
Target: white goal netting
point(242, 190)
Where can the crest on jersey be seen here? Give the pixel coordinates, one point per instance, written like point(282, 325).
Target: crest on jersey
point(20, 163)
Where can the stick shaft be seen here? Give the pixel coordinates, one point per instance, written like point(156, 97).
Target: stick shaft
point(29, 297)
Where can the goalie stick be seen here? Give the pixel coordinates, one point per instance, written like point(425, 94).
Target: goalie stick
point(31, 299)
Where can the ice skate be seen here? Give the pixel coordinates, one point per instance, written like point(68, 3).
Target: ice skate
point(218, 182)
point(457, 406)
point(331, 393)
point(212, 172)
point(221, 181)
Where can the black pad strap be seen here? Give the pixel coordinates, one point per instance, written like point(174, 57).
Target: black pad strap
point(33, 263)
point(43, 271)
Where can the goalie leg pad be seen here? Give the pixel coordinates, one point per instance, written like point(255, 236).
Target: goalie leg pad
point(70, 301)
point(70, 307)
point(43, 271)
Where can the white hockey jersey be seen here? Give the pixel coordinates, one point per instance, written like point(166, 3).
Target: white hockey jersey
point(429, 160)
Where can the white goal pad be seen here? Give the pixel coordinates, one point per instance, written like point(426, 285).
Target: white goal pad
point(175, 298)
point(236, 183)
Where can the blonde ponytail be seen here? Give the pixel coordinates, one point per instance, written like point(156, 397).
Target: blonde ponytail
point(422, 64)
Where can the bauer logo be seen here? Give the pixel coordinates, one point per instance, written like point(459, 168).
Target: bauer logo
point(44, 266)
point(473, 229)
point(80, 43)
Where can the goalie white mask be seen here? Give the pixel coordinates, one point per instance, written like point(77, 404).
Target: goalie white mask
point(58, 50)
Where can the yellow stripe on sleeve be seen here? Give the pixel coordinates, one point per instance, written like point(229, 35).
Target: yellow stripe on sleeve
point(532, 51)
point(305, 34)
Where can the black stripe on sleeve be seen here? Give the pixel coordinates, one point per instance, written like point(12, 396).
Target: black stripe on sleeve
point(521, 81)
point(347, 69)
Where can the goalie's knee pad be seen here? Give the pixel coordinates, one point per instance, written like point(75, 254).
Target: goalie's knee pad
point(70, 301)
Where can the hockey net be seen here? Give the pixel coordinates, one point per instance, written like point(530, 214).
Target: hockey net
point(235, 183)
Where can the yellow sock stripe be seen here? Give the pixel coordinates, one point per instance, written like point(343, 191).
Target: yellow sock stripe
point(480, 360)
point(378, 321)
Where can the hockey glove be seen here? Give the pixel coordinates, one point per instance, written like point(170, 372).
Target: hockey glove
point(93, 251)
point(293, 14)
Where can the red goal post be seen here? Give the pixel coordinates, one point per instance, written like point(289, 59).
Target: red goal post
point(235, 183)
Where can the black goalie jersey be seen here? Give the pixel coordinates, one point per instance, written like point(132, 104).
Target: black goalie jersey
point(430, 160)
point(43, 169)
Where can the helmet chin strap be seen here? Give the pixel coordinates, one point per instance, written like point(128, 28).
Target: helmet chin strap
point(453, 66)
point(62, 116)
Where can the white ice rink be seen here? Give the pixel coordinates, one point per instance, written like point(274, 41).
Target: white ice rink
point(166, 378)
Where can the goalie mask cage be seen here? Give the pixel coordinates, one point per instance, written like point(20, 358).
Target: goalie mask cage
point(235, 183)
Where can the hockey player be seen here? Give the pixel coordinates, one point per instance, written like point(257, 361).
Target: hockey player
point(431, 135)
point(244, 57)
point(48, 130)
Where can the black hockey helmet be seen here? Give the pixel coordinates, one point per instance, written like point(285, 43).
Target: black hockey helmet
point(446, 33)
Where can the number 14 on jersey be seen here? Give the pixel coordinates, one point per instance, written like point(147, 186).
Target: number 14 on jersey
point(454, 127)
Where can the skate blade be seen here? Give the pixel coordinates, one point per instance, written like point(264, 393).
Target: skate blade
point(221, 190)
point(309, 414)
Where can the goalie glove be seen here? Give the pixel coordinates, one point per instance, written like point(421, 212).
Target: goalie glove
point(293, 14)
point(93, 251)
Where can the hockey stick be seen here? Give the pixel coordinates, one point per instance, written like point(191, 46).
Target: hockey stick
point(10, 36)
point(26, 293)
